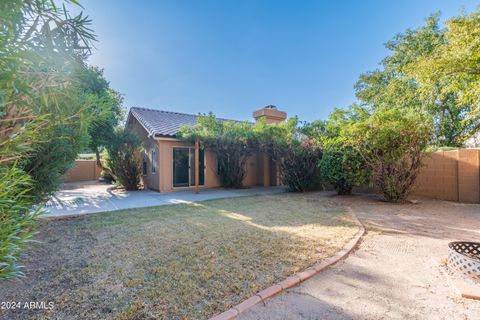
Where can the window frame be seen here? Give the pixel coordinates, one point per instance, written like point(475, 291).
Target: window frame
point(154, 155)
point(145, 164)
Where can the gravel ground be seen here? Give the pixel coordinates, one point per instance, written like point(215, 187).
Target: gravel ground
point(393, 274)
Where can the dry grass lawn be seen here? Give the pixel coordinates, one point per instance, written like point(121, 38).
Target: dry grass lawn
point(187, 261)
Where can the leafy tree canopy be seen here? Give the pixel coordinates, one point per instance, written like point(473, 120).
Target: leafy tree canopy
point(397, 84)
point(455, 64)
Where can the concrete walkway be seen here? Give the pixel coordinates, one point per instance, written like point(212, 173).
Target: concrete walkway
point(395, 272)
point(88, 197)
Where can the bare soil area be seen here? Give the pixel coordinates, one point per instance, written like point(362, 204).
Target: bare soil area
point(394, 273)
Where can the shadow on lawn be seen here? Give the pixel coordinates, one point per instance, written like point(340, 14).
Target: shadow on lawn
point(182, 261)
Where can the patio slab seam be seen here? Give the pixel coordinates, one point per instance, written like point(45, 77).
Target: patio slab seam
point(297, 278)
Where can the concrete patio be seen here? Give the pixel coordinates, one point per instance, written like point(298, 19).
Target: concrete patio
point(78, 198)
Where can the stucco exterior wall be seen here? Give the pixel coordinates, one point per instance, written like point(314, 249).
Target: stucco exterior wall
point(166, 163)
point(150, 180)
point(211, 178)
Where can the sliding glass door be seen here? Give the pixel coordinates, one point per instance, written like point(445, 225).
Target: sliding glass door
point(184, 164)
point(181, 167)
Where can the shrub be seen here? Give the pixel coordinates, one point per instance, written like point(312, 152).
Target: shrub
point(299, 164)
point(232, 142)
point(231, 168)
point(343, 167)
point(50, 158)
point(123, 150)
point(392, 143)
point(16, 220)
point(41, 116)
point(297, 155)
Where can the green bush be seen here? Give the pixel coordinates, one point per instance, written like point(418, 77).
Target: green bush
point(50, 158)
point(41, 46)
point(231, 169)
point(123, 151)
point(299, 164)
point(342, 167)
point(297, 155)
point(232, 142)
point(392, 142)
point(16, 219)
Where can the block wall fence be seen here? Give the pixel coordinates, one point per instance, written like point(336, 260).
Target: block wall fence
point(450, 175)
point(446, 175)
point(83, 170)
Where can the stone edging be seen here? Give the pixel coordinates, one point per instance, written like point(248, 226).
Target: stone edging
point(292, 281)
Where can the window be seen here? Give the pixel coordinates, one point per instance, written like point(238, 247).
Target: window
point(154, 160)
point(144, 164)
point(218, 166)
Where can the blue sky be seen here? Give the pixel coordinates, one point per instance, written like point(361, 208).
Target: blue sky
point(232, 57)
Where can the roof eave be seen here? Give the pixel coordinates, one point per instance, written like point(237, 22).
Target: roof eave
point(150, 134)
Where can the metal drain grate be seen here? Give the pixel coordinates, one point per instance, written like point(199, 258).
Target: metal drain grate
point(465, 257)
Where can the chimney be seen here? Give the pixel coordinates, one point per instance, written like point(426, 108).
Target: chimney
point(270, 113)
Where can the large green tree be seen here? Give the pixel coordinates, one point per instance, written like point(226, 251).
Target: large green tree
point(455, 63)
point(397, 84)
point(103, 105)
point(104, 108)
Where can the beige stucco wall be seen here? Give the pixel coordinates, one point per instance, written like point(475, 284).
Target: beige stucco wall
point(150, 180)
point(451, 175)
point(211, 178)
point(166, 163)
point(83, 170)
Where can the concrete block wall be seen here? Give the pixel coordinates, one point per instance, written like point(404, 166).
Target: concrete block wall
point(451, 175)
point(83, 170)
point(468, 176)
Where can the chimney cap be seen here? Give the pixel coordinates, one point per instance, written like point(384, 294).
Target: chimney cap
point(270, 113)
point(271, 106)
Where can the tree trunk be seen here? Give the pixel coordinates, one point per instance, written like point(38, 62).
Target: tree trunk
point(101, 166)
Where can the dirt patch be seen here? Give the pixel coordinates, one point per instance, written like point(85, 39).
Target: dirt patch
point(394, 274)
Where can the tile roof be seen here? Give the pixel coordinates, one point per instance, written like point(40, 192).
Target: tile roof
point(163, 123)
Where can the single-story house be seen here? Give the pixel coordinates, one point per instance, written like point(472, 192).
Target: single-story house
point(168, 163)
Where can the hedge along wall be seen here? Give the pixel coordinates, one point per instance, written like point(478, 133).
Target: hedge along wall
point(83, 170)
point(451, 175)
